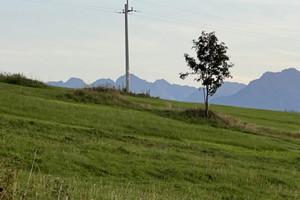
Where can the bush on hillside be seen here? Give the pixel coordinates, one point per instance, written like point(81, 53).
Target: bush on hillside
point(102, 95)
point(97, 95)
point(20, 79)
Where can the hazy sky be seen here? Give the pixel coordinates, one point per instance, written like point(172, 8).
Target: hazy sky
point(58, 39)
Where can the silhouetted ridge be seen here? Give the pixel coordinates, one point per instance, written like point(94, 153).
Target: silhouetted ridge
point(274, 91)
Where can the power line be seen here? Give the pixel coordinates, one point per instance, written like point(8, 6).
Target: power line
point(73, 5)
point(218, 17)
point(175, 20)
point(216, 27)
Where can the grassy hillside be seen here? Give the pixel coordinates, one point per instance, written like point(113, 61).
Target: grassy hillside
point(58, 143)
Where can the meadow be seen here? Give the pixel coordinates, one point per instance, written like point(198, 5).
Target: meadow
point(100, 143)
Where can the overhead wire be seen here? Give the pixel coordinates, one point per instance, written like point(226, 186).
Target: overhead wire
point(216, 16)
point(171, 19)
point(73, 5)
point(215, 27)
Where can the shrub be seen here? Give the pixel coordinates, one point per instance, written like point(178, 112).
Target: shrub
point(20, 79)
point(96, 95)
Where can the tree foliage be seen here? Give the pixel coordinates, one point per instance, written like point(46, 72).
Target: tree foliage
point(211, 66)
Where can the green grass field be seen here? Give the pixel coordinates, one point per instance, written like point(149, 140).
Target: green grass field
point(58, 143)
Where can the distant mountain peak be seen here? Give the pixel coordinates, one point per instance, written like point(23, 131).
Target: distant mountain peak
point(273, 91)
point(75, 80)
point(162, 82)
point(290, 70)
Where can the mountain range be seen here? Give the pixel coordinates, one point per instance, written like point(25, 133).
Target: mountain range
point(160, 88)
point(272, 91)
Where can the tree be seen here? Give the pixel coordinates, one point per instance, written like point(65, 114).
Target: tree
point(213, 64)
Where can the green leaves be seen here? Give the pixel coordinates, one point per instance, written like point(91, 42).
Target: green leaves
point(212, 65)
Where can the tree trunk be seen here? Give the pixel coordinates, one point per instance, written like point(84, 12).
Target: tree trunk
point(206, 102)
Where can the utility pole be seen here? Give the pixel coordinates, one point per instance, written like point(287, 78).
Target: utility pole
point(127, 48)
point(126, 11)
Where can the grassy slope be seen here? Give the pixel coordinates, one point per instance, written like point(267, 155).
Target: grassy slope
point(142, 148)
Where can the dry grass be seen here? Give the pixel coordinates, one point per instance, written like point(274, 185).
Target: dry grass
point(145, 106)
point(232, 122)
point(235, 123)
point(8, 178)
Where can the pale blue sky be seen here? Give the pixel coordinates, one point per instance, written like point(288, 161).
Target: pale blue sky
point(58, 39)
